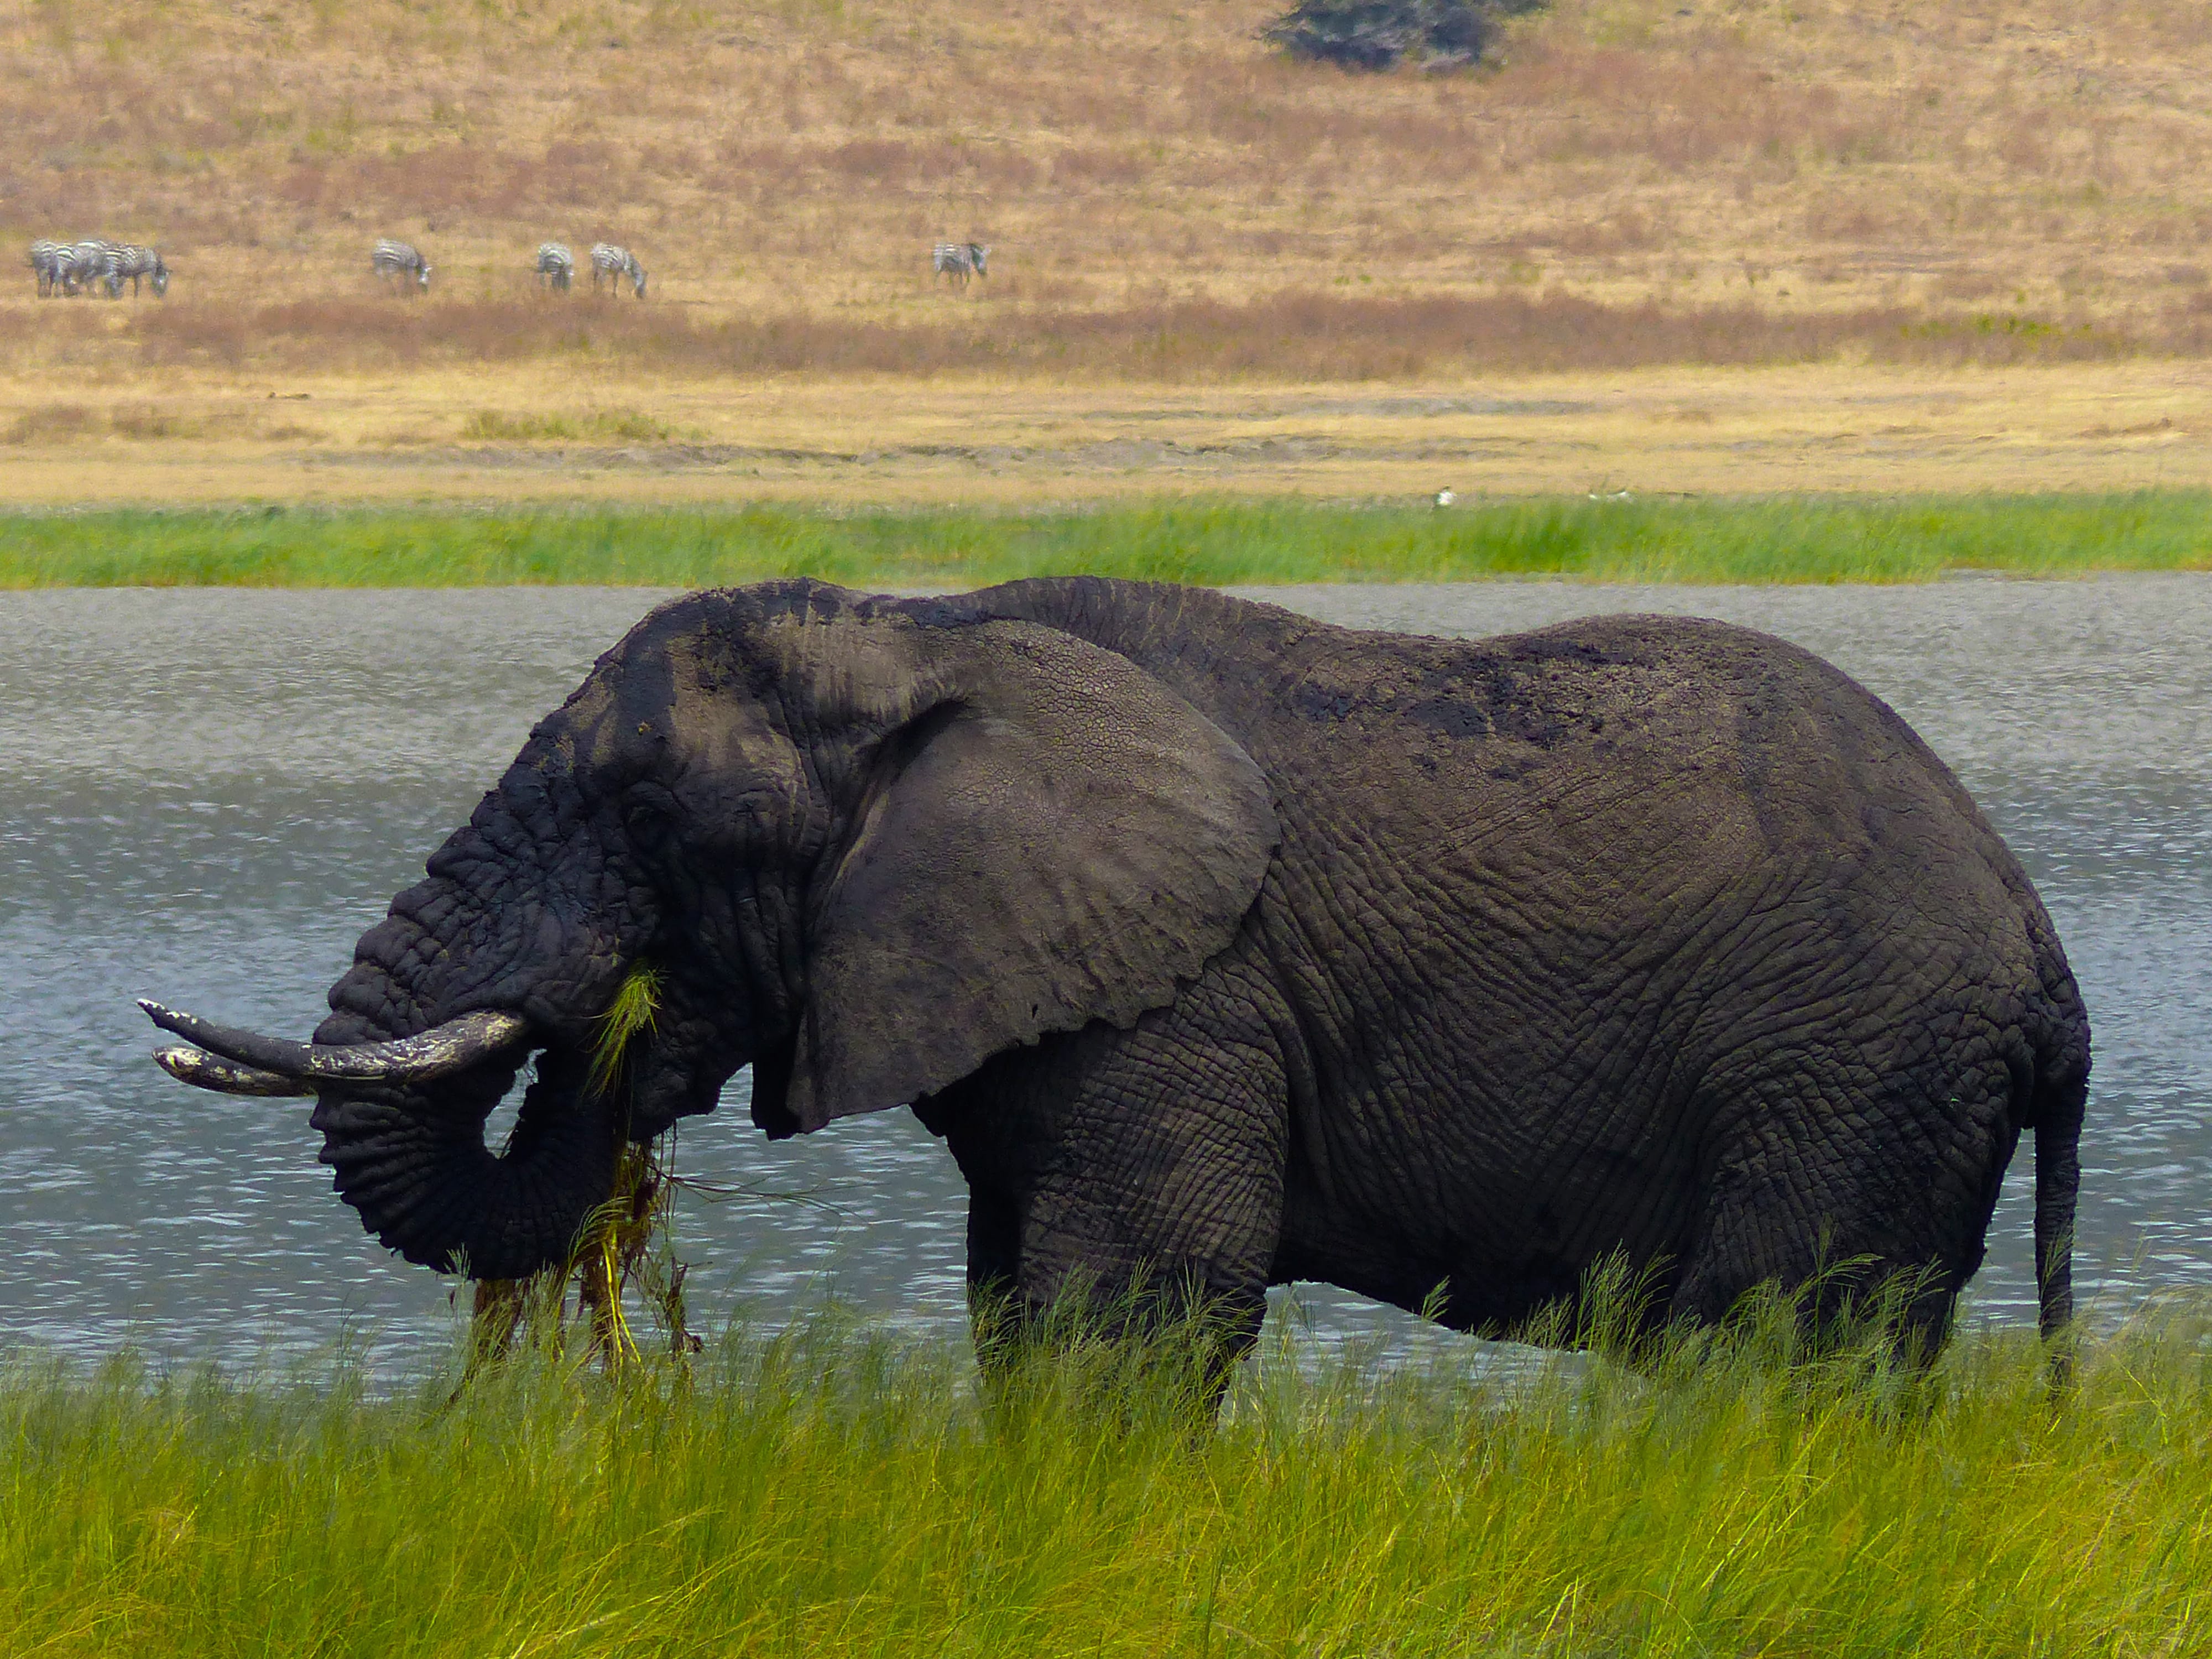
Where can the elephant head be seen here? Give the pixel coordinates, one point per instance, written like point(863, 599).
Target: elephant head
point(860, 845)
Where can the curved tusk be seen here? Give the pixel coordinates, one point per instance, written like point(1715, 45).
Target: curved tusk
point(204, 1071)
point(440, 1052)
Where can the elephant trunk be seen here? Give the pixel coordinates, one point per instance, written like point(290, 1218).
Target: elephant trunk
point(515, 942)
point(413, 1162)
point(405, 1143)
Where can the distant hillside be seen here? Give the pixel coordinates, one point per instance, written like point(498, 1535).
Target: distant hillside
point(1724, 179)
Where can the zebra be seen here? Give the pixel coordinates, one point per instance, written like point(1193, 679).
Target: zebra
point(958, 261)
point(46, 265)
point(64, 268)
point(133, 263)
point(557, 266)
point(395, 259)
point(88, 262)
point(614, 263)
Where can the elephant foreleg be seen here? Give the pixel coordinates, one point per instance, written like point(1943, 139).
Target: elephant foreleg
point(1129, 1184)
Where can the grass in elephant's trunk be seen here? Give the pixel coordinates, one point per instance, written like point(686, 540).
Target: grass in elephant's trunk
point(624, 1248)
point(624, 1244)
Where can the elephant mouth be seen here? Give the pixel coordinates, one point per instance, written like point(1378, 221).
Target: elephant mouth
point(233, 1061)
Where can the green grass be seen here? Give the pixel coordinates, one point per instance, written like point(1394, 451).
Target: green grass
point(631, 1014)
point(829, 1492)
point(1797, 539)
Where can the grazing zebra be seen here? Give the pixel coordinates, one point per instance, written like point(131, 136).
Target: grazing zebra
point(557, 266)
point(133, 263)
point(614, 263)
point(46, 265)
point(88, 262)
point(958, 261)
point(394, 259)
point(68, 264)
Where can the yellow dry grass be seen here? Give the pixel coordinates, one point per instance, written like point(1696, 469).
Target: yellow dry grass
point(420, 437)
point(2015, 152)
point(783, 167)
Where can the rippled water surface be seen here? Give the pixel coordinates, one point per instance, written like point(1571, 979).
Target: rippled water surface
point(209, 794)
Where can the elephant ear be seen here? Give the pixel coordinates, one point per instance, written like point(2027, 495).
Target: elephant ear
point(1056, 838)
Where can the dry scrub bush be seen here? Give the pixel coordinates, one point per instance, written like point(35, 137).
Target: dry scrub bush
point(1381, 34)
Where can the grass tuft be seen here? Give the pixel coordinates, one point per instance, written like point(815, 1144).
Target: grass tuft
point(610, 425)
point(831, 1489)
point(636, 1005)
point(1196, 540)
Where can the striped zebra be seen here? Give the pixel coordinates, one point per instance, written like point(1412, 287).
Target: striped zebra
point(958, 261)
point(88, 262)
point(46, 265)
point(132, 263)
point(614, 263)
point(557, 266)
point(396, 258)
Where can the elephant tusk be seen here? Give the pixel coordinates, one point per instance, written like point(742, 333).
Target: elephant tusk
point(204, 1071)
point(439, 1052)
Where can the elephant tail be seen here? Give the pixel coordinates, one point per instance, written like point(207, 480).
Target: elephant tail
point(2060, 1091)
point(2057, 1182)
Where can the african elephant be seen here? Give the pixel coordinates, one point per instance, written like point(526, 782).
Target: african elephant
point(1229, 948)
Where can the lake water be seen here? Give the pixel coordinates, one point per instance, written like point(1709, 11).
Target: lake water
point(206, 795)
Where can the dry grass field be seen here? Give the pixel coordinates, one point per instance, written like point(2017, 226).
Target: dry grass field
point(1989, 219)
point(537, 432)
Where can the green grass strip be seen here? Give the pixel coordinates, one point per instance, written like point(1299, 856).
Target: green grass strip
point(1208, 541)
point(829, 1492)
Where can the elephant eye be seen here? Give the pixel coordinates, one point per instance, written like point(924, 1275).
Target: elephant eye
point(649, 815)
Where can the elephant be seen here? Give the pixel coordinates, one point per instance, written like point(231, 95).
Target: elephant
point(1224, 948)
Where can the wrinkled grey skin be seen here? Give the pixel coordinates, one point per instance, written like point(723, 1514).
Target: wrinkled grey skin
point(1226, 948)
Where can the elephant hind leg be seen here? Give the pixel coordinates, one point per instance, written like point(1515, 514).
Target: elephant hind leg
point(1837, 1282)
point(1839, 1195)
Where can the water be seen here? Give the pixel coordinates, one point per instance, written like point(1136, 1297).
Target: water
point(208, 795)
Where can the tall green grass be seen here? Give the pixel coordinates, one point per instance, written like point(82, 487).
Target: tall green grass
point(1211, 541)
point(827, 1491)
